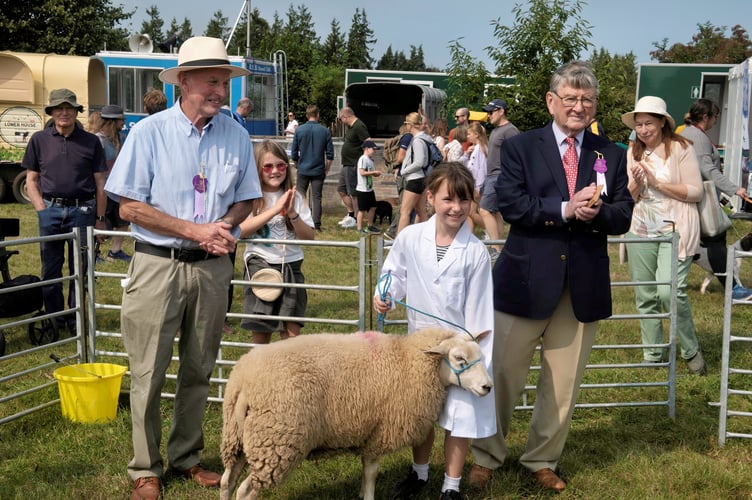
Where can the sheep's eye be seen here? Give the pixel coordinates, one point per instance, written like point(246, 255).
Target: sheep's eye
point(460, 361)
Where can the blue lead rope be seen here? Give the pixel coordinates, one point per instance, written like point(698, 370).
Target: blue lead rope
point(382, 287)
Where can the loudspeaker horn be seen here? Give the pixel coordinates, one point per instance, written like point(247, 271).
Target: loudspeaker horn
point(140, 43)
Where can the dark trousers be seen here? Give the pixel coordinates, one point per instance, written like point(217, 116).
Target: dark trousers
point(317, 189)
point(716, 247)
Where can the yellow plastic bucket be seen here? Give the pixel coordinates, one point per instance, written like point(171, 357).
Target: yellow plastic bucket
point(87, 398)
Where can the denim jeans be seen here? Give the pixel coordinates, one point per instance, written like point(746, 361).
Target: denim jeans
point(57, 219)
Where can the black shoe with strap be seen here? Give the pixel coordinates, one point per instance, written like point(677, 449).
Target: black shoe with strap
point(409, 487)
point(450, 495)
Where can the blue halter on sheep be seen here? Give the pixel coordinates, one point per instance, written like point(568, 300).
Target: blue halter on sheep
point(318, 392)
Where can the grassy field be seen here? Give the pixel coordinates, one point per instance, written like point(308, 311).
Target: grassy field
point(615, 452)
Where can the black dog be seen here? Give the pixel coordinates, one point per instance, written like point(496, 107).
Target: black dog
point(383, 211)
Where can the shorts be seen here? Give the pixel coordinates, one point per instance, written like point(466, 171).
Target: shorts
point(112, 215)
point(366, 200)
point(292, 302)
point(416, 186)
point(488, 200)
point(348, 180)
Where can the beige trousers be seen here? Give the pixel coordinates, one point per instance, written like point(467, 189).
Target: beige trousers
point(566, 345)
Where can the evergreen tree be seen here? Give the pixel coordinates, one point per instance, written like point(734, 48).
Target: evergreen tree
point(153, 26)
point(217, 26)
point(359, 41)
point(334, 49)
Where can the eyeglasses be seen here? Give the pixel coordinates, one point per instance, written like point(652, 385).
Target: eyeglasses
point(570, 101)
point(269, 167)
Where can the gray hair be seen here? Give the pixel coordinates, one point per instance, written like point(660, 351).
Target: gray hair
point(575, 74)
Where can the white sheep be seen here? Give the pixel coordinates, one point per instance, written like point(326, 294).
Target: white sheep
point(370, 393)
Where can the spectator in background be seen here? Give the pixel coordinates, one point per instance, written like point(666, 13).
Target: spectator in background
point(154, 101)
point(364, 189)
point(312, 151)
point(439, 133)
point(453, 149)
point(475, 159)
point(489, 206)
point(405, 138)
point(292, 124)
point(109, 135)
point(356, 133)
point(65, 179)
point(666, 184)
point(243, 110)
point(702, 117)
point(461, 118)
point(413, 173)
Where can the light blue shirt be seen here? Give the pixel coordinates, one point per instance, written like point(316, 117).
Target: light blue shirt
point(162, 155)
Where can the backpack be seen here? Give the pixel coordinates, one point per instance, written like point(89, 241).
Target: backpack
point(434, 156)
point(391, 150)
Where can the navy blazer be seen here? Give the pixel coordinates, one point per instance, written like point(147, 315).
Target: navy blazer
point(544, 253)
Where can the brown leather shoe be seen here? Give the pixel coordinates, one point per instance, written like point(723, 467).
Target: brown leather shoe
point(549, 480)
point(479, 476)
point(204, 477)
point(146, 488)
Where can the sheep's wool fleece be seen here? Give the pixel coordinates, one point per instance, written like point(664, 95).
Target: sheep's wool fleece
point(368, 391)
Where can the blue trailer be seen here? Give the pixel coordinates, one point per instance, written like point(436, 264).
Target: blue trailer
point(130, 74)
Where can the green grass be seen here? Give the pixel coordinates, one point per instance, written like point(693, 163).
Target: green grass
point(618, 452)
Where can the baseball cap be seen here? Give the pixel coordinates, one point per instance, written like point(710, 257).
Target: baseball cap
point(494, 105)
point(369, 144)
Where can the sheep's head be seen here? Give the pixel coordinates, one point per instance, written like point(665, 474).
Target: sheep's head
point(462, 364)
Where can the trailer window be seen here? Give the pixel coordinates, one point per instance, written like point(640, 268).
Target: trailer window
point(128, 85)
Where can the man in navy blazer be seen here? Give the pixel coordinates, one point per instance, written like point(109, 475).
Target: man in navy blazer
point(551, 282)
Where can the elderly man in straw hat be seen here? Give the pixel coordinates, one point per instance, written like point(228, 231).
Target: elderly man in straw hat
point(185, 178)
point(65, 178)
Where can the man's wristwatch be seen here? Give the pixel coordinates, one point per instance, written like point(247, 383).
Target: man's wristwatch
point(100, 218)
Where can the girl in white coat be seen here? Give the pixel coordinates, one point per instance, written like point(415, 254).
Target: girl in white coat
point(439, 267)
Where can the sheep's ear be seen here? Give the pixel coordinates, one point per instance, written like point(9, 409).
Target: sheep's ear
point(440, 351)
point(483, 335)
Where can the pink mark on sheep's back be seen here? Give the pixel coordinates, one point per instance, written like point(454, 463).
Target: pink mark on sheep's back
point(372, 338)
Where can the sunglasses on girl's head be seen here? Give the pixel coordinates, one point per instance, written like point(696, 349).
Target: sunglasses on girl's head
point(269, 167)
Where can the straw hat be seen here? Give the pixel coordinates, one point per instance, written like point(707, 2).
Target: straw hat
point(648, 104)
point(267, 275)
point(201, 52)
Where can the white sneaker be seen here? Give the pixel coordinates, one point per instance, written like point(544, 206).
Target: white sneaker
point(349, 223)
point(344, 219)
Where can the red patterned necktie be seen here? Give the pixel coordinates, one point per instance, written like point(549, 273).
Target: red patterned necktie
point(570, 165)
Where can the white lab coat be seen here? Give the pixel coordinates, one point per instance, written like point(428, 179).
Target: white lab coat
point(458, 289)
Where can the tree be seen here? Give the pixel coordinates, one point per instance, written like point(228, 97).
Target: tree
point(69, 27)
point(153, 26)
point(217, 26)
point(549, 34)
point(467, 78)
point(359, 41)
point(333, 49)
point(301, 44)
point(617, 81)
point(709, 45)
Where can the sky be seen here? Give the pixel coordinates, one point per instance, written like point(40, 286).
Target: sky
point(619, 27)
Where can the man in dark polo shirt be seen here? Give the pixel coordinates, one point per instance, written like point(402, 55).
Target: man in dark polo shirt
point(357, 132)
point(65, 179)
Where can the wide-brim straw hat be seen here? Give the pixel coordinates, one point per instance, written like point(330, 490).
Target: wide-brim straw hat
point(201, 52)
point(648, 104)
